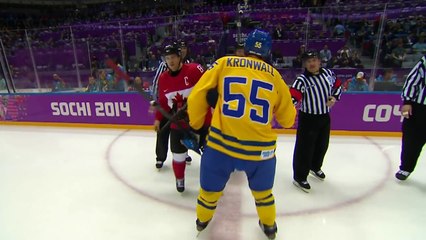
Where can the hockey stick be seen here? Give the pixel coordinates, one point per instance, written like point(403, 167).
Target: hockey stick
point(163, 128)
point(191, 139)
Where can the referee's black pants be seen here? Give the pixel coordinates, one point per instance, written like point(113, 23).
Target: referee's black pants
point(162, 145)
point(413, 137)
point(313, 135)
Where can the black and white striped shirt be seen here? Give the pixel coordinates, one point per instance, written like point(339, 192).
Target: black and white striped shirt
point(161, 68)
point(414, 89)
point(313, 91)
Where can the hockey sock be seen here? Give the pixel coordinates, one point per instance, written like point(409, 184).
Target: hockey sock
point(206, 204)
point(265, 206)
point(179, 169)
point(179, 164)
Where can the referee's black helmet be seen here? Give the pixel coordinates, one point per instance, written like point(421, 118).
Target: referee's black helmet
point(311, 53)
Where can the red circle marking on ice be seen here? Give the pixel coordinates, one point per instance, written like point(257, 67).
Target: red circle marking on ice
point(378, 186)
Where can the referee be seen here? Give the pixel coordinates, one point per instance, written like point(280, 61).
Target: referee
point(317, 89)
point(162, 143)
point(414, 112)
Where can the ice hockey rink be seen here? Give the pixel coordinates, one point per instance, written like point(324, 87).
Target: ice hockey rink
point(101, 184)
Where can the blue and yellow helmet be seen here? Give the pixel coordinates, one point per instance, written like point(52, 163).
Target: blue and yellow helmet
point(258, 43)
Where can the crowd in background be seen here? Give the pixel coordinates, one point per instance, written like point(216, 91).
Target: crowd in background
point(403, 39)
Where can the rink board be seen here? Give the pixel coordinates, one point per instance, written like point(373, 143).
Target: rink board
point(355, 112)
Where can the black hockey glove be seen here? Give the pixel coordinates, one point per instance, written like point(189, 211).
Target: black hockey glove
point(181, 113)
point(212, 96)
point(203, 132)
point(191, 140)
point(195, 139)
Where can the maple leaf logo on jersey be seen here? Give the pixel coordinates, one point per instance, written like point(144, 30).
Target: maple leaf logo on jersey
point(178, 101)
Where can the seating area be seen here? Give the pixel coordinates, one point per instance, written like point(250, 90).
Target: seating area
point(210, 30)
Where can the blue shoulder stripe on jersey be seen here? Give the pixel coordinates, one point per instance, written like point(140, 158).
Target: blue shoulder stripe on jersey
point(242, 142)
point(233, 149)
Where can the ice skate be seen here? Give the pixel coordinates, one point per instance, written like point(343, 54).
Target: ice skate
point(188, 160)
point(269, 231)
point(201, 225)
point(318, 174)
point(402, 175)
point(180, 185)
point(303, 185)
point(159, 165)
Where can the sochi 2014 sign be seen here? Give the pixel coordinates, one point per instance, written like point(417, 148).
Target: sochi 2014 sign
point(354, 112)
point(108, 108)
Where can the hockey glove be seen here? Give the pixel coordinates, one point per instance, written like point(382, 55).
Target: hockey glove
point(181, 113)
point(191, 140)
point(203, 132)
point(196, 139)
point(211, 97)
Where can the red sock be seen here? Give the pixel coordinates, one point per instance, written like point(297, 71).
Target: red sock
point(179, 169)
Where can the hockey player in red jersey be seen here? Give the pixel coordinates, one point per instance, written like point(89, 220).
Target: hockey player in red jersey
point(174, 87)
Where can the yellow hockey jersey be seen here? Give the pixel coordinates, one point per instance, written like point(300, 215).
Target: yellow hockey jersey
point(251, 93)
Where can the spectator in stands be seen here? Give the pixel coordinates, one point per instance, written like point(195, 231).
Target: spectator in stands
point(184, 34)
point(210, 54)
point(119, 82)
point(386, 54)
point(152, 62)
point(297, 62)
point(102, 79)
point(14, 71)
point(398, 55)
point(339, 30)
point(344, 52)
point(143, 62)
point(325, 55)
point(239, 50)
point(322, 35)
point(343, 58)
point(386, 82)
point(358, 36)
point(355, 60)
point(278, 32)
point(277, 58)
point(200, 59)
point(301, 50)
point(388, 76)
point(357, 83)
point(343, 61)
point(58, 83)
point(94, 65)
point(93, 85)
point(110, 82)
point(2, 83)
point(137, 85)
point(411, 39)
point(420, 46)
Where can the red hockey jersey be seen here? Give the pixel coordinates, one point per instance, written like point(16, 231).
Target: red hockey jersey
point(173, 90)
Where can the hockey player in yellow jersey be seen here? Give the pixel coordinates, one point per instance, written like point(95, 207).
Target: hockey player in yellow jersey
point(250, 94)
